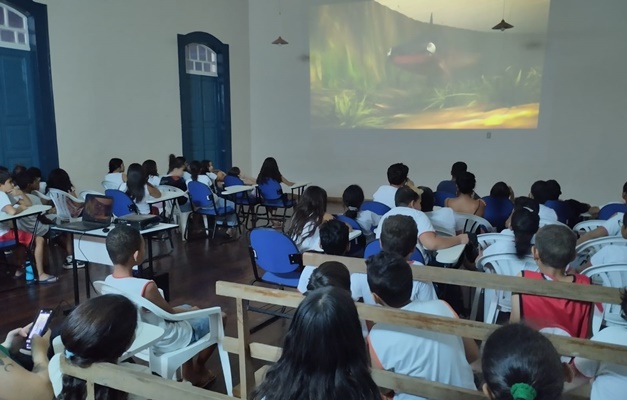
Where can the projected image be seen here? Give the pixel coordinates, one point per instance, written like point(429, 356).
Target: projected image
point(427, 64)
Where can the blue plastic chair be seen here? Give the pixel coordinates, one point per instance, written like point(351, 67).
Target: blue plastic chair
point(440, 198)
point(610, 209)
point(271, 197)
point(203, 204)
point(497, 211)
point(122, 203)
point(374, 247)
point(277, 254)
point(375, 207)
point(561, 209)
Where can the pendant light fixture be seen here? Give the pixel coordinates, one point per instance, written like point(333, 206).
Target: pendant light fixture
point(503, 25)
point(280, 41)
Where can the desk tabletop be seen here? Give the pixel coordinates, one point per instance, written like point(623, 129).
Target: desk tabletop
point(165, 196)
point(32, 210)
point(298, 185)
point(237, 189)
point(354, 234)
point(99, 233)
point(450, 255)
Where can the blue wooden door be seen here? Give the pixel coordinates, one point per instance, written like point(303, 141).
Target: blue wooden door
point(18, 122)
point(206, 126)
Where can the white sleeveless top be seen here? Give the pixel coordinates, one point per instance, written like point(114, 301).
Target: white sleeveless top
point(142, 206)
point(177, 334)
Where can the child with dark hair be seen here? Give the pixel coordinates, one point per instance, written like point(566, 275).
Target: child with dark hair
point(415, 352)
point(125, 247)
point(99, 330)
point(150, 170)
point(611, 227)
point(450, 186)
point(397, 177)
point(519, 363)
point(116, 175)
point(609, 381)
point(13, 201)
point(138, 188)
point(60, 180)
point(540, 192)
point(553, 251)
point(330, 273)
point(326, 319)
point(310, 212)
point(175, 177)
point(465, 201)
point(353, 198)
point(334, 241)
point(26, 182)
point(574, 208)
point(611, 254)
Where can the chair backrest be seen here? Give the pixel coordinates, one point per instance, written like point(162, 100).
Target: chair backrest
point(375, 207)
point(507, 264)
point(561, 209)
point(122, 203)
point(469, 223)
point(608, 210)
point(589, 248)
point(110, 185)
point(443, 221)
point(41, 195)
point(351, 222)
point(544, 222)
point(270, 190)
point(497, 210)
point(60, 200)
point(487, 239)
point(200, 195)
point(84, 193)
point(440, 198)
point(274, 251)
point(374, 248)
point(610, 275)
point(588, 226)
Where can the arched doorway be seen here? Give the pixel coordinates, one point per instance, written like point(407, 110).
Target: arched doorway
point(205, 98)
point(27, 125)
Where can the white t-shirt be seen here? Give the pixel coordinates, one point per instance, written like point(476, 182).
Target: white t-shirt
point(613, 225)
point(385, 194)
point(56, 377)
point(429, 355)
point(421, 291)
point(5, 200)
point(444, 219)
point(547, 213)
point(422, 221)
point(177, 334)
point(367, 220)
point(610, 255)
point(115, 178)
point(187, 176)
point(142, 206)
point(154, 180)
point(610, 380)
point(310, 243)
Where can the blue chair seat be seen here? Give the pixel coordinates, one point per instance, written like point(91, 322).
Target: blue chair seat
point(374, 248)
point(8, 244)
point(277, 203)
point(212, 211)
point(288, 279)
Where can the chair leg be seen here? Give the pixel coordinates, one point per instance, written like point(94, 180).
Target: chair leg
point(226, 369)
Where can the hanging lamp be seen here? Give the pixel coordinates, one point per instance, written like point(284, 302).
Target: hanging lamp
point(503, 25)
point(280, 41)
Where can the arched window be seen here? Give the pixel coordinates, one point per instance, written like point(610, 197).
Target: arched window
point(13, 28)
point(200, 60)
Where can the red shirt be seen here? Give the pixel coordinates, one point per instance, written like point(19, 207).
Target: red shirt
point(543, 312)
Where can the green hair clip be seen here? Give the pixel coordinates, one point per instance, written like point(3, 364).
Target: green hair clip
point(523, 391)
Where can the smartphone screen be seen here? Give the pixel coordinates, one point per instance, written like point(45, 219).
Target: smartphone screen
point(39, 326)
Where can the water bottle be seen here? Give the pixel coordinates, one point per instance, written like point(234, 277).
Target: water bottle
point(30, 274)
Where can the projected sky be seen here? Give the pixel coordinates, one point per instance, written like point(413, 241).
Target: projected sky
point(427, 64)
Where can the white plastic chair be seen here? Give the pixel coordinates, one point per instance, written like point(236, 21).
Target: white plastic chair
point(443, 221)
point(589, 248)
point(110, 185)
point(167, 364)
point(469, 223)
point(59, 199)
point(486, 239)
point(84, 193)
point(544, 222)
point(41, 196)
point(610, 275)
point(588, 226)
point(180, 217)
point(506, 264)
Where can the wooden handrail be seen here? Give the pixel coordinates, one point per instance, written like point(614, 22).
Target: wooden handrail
point(571, 291)
point(137, 383)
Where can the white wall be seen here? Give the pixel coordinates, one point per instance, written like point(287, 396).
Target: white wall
point(580, 141)
point(116, 83)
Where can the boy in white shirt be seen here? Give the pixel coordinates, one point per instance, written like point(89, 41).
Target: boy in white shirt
point(13, 201)
point(408, 203)
point(540, 192)
point(397, 177)
point(415, 352)
point(609, 381)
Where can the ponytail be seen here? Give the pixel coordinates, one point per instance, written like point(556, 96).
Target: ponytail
point(522, 241)
point(175, 162)
point(525, 223)
point(195, 169)
point(352, 198)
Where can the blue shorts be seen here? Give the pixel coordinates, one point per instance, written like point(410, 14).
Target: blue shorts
point(200, 326)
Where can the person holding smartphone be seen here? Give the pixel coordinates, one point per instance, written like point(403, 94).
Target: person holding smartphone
point(16, 382)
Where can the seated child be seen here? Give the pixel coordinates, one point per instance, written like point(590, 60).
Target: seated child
point(450, 186)
point(540, 192)
point(398, 236)
point(235, 176)
point(60, 180)
point(175, 177)
point(465, 202)
point(575, 208)
point(397, 177)
point(408, 203)
point(309, 214)
point(553, 251)
point(353, 198)
point(116, 175)
point(138, 188)
point(126, 248)
point(411, 351)
point(612, 254)
point(13, 201)
point(333, 241)
point(520, 363)
point(611, 227)
point(442, 219)
point(150, 170)
point(198, 173)
point(609, 381)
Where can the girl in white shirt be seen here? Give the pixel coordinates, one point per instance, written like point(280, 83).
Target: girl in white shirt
point(521, 363)
point(116, 173)
point(150, 170)
point(138, 188)
point(353, 198)
point(309, 214)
